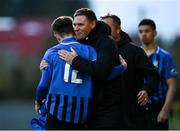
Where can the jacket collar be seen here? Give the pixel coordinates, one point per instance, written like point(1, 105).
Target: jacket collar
point(100, 29)
point(125, 39)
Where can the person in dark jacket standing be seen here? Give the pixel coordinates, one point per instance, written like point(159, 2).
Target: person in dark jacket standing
point(106, 93)
point(134, 92)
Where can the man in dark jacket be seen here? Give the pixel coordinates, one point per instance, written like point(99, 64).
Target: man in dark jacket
point(106, 94)
point(134, 92)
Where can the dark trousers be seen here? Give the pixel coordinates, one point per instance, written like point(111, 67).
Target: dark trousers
point(152, 118)
point(138, 122)
point(52, 123)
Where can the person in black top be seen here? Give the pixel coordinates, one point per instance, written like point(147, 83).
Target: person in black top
point(134, 92)
point(106, 93)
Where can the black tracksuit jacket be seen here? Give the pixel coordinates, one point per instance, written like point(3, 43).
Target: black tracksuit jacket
point(132, 81)
point(106, 94)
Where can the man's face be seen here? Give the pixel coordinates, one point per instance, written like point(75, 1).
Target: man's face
point(82, 26)
point(115, 31)
point(146, 34)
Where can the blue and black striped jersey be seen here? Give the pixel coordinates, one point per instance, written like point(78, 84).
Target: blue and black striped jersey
point(163, 61)
point(69, 91)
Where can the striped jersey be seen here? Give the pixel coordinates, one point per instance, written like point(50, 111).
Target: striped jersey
point(69, 91)
point(163, 61)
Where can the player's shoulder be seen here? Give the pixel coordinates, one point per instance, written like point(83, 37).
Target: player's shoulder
point(88, 48)
point(52, 49)
point(81, 46)
point(84, 50)
point(75, 44)
point(49, 52)
point(164, 53)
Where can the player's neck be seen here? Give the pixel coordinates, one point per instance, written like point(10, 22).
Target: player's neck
point(150, 48)
point(66, 37)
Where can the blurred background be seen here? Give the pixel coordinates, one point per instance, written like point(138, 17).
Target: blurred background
point(25, 35)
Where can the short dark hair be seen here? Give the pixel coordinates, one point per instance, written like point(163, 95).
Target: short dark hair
point(63, 25)
point(148, 22)
point(90, 15)
point(115, 18)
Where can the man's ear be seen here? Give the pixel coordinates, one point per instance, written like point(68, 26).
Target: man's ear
point(118, 31)
point(155, 33)
point(93, 24)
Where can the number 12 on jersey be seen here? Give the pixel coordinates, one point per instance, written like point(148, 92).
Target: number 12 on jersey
point(73, 78)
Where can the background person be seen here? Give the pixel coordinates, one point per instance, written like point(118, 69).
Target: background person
point(134, 92)
point(159, 103)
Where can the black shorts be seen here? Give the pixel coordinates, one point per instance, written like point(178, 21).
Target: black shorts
point(52, 123)
point(152, 118)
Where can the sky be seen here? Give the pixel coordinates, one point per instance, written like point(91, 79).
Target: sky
point(166, 14)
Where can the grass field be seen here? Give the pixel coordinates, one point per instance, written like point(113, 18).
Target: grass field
point(174, 118)
point(174, 123)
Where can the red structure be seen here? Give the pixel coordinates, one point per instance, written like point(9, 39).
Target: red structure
point(25, 34)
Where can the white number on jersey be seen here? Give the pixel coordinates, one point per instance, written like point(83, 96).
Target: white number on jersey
point(74, 78)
